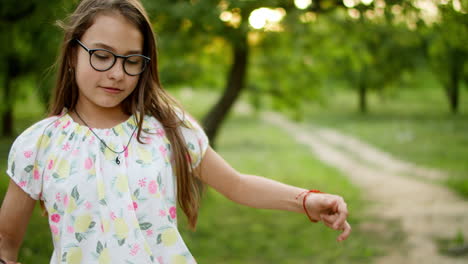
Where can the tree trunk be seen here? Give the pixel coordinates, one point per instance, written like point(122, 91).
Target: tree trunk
point(8, 98)
point(362, 97)
point(454, 77)
point(235, 84)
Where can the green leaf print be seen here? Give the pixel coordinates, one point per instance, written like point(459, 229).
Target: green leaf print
point(103, 202)
point(159, 239)
point(29, 168)
point(75, 194)
point(64, 257)
point(79, 237)
point(145, 226)
point(99, 247)
point(55, 175)
point(55, 207)
point(13, 165)
point(71, 136)
point(121, 242)
point(136, 193)
point(159, 180)
point(140, 162)
point(91, 225)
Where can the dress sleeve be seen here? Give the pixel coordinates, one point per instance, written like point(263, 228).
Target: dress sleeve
point(195, 138)
point(24, 166)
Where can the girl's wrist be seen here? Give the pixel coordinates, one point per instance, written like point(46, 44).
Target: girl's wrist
point(303, 196)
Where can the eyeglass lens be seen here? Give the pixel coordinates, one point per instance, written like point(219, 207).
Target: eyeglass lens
point(103, 60)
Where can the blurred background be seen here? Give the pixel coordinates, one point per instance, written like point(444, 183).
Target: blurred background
point(391, 73)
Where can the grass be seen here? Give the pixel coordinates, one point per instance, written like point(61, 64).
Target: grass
point(230, 233)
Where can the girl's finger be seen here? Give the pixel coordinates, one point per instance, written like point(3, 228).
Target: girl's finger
point(329, 219)
point(346, 232)
point(342, 215)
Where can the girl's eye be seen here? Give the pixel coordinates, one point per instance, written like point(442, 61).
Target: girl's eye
point(133, 61)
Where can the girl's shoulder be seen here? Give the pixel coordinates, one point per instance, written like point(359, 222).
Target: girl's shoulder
point(34, 134)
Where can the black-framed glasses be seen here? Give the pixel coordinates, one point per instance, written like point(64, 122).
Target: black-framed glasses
point(102, 60)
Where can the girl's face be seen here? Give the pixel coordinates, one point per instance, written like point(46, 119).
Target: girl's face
point(107, 89)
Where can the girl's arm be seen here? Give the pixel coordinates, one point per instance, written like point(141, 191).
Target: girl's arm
point(15, 213)
point(259, 192)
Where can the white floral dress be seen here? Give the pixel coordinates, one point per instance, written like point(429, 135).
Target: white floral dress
point(100, 211)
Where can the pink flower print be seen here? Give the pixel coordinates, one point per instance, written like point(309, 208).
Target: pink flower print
point(57, 197)
point(88, 163)
point(172, 212)
point(22, 183)
point(56, 123)
point(36, 174)
point(50, 165)
point(160, 260)
point(164, 191)
point(65, 200)
point(163, 150)
point(126, 152)
point(91, 141)
point(142, 182)
point(134, 249)
point(54, 229)
point(55, 218)
point(162, 213)
point(107, 132)
point(76, 152)
point(28, 154)
point(152, 187)
point(70, 229)
point(112, 216)
point(66, 125)
point(66, 147)
point(148, 140)
point(160, 132)
point(88, 205)
point(135, 205)
point(46, 178)
point(149, 232)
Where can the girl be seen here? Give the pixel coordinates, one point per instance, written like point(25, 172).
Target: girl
point(117, 154)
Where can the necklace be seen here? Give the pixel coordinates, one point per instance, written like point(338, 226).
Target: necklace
point(117, 159)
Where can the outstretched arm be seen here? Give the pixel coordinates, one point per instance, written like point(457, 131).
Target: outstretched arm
point(260, 192)
point(15, 213)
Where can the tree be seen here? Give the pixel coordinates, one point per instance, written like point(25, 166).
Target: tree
point(28, 44)
point(448, 52)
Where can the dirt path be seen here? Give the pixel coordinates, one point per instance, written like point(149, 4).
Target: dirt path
point(398, 191)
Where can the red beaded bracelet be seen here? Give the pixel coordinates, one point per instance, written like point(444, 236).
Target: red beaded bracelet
point(304, 202)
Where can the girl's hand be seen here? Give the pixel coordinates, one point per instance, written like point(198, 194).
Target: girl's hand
point(3, 260)
point(331, 210)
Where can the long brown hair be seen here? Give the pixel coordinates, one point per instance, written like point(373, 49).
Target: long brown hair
point(148, 98)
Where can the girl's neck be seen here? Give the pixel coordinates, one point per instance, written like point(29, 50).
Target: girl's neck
point(99, 117)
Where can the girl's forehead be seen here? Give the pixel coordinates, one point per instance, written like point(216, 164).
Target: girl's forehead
point(114, 31)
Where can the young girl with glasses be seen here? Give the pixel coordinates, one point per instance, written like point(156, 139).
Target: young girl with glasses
point(117, 154)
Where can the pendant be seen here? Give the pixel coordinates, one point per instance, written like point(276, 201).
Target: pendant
point(117, 160)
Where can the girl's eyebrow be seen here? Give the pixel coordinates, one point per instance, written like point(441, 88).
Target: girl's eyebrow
point(105, 46)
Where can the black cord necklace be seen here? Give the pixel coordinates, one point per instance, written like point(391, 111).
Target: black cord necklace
point(117, 159)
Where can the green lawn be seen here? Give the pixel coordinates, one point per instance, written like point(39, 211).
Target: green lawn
point(230, 233)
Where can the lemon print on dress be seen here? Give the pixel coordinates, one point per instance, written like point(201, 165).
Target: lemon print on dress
point(74, 256)
point(121, 228)
point(169, 237)
point(43, 142)
point(63, 168)
point(144, 155)
point(178, 259)
point(122, 183)
point(108, 153)
point(71, 205)
point(104, 257)
point(82, 223)
point(101, 189)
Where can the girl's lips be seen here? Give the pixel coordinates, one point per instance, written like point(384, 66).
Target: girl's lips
point(111, 90)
